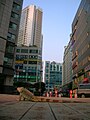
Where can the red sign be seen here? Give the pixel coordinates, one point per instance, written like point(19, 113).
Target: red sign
point(86, 80)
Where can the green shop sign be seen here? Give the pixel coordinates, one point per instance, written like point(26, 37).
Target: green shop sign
point(33, 77)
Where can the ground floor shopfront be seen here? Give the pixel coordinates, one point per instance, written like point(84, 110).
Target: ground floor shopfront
point(83, 76)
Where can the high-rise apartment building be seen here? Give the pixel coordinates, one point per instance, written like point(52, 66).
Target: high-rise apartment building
point(53, 75)
point(30, 31)
point(10, 12)
point(81, 44)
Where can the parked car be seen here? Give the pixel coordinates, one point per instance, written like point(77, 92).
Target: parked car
point(83, 90)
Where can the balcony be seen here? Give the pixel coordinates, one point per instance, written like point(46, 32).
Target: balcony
point(75, 55)
point(74, 65)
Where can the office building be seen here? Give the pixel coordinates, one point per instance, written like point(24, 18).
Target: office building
point(67, 67)
point(81, 44)
point(67, 64)
point(10, 12)
point(53, 75)
point(28, 64)
point(30, 31)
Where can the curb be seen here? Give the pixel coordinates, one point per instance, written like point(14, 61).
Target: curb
point(61, 101)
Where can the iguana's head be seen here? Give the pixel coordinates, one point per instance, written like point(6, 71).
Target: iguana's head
point(20, 89)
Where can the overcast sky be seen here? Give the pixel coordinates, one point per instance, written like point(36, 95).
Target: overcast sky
point(58, 16)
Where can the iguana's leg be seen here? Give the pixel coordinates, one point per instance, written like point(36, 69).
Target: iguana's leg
point(20, 97)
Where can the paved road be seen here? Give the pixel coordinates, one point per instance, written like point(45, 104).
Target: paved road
point(26, 110)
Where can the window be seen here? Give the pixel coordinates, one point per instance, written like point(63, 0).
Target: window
point(33, 51)
point(25, 62)
point(60, 68)
point(17, 57)
point(16, 6)
point(13, 26)
point(11, 37)
point(21, 67)
point(33, 56)
point(57, 67)
point(9, 49)
point(84, 86)
point(25, 68)
point(14, 15)
point(32, 62)
point(8, 61)
point(54, 67)
point(46, 70)
point(24, 50)
point(47, 64)
point(18, 50)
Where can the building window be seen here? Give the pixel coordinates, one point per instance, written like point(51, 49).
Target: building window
point(13, 26)
point(47, 64)
point(32, 62)
point(47, 71)
point(33, 51)
point(25, 68)
point(16, 6)
point(25, 62)
point(18, 50)
point(57, 67)
point(10, 49)
point(60, 68)
point(24, 50)
point(17, 57)
point(33, 56)
point(14, 15)
point(8, 61)
point(23, 57)
point(11, 37)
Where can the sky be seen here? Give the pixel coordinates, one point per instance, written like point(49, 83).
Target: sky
point(57, 21)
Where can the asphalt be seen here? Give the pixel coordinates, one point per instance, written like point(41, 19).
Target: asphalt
point(51, 108)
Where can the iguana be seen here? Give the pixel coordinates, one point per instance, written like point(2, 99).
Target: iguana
point(27, 95)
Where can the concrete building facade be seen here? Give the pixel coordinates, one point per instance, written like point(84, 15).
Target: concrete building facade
point(10, 12)
point(81, 44)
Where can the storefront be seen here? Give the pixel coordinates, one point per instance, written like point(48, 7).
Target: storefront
point(87, 73)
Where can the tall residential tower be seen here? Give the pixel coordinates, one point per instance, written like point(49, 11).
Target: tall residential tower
point(30, 31)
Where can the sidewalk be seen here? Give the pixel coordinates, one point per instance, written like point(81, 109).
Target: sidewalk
point(52, 109)
point(8, 98)
point(14, 98)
